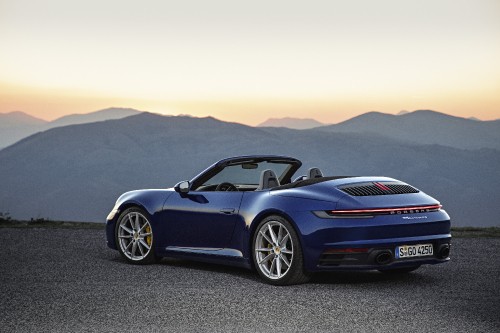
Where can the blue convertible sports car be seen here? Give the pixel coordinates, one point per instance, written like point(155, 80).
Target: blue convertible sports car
point(249, 211)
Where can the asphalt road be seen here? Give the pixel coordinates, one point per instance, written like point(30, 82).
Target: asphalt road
point(67, 280)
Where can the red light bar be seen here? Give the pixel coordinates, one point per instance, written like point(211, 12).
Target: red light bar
point(382, 187)
point(414, 209)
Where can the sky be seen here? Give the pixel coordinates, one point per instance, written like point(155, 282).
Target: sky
point(247, 61)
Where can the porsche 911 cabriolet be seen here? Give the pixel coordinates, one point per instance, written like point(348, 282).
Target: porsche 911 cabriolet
point(251, 211)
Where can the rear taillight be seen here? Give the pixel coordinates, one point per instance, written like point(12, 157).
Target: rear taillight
point(383, 211)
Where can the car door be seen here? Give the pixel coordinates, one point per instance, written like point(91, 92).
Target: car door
point(200, 219)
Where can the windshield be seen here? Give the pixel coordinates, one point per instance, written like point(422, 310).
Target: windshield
point(247, 174)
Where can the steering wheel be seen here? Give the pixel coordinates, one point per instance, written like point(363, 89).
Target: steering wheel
point(225, 186)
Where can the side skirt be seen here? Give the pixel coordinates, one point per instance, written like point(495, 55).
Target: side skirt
point(224, 256)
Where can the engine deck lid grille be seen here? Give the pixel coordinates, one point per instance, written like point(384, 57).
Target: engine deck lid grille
point(378, 188)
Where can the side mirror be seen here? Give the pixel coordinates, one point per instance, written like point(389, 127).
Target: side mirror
point(182, 187)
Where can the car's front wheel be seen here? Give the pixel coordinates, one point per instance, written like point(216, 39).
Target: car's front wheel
point(277, 253)
point(134, 236)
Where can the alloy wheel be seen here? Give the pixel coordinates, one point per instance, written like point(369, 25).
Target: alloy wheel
point(135, 236)
point(273, 250)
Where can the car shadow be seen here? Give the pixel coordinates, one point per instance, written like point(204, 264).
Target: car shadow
point(369, 277)
point(318, 278)
point(210, 267)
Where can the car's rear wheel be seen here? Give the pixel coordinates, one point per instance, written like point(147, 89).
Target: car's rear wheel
point(134, 236)
point(402, 270)
point(277, 253)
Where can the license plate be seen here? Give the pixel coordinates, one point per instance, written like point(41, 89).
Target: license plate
point(418, 250)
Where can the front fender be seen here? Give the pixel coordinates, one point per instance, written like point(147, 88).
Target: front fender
point(151, 201)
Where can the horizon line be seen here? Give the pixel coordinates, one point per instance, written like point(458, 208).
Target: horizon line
point(400, 113)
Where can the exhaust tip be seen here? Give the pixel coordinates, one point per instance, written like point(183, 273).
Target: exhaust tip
point(383, 258)
point(444, 251)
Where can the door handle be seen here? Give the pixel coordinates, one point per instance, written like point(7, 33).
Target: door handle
point(227, 211)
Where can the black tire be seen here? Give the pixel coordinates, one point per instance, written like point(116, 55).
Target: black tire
point(127, 235)
point(278, 253)
point(402, 270)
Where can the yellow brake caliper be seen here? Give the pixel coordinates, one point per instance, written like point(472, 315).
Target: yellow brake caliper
point(149, 239)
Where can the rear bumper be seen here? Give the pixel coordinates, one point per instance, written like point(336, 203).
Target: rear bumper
point(381, 254)
point(354, 244)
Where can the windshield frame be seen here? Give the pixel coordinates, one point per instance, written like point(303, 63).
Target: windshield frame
point(212, 171)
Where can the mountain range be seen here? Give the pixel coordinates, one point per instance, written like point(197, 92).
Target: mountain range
point(424, 127)
point(17, 125)
point(76, 172)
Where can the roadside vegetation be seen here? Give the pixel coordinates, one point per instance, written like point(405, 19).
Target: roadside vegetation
point(7, 222)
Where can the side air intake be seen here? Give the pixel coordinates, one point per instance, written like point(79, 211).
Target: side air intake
point(378, 188)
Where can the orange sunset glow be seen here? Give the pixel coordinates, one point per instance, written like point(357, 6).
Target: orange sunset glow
point(249, 61)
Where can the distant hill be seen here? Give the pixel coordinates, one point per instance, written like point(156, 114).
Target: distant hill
point(294, 123)
point(19, 119)
point(101, 115)
point(77, 172)
point(17, 125)
point(425, 127)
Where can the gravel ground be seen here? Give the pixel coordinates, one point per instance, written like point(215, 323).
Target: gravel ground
point(67, 280)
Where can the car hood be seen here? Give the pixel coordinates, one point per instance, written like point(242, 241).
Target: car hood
point(151, 199)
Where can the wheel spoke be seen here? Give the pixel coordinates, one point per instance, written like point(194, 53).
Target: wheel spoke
point(284, 240)
point(286, 251)
point(272, 266)
point(125, 236)
point(278, 266)
point(137, 222)
point(130, 221)
point(272, 234)
point(142, 228)
point(126, 229)
point(143, 243)
point(285, 260)
point(145, 234)
point(128, 245)
point(134, 249)
point(267, 238)
point(280, 234)
point(266, 258)
point(264, 249)
point(140, 248)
